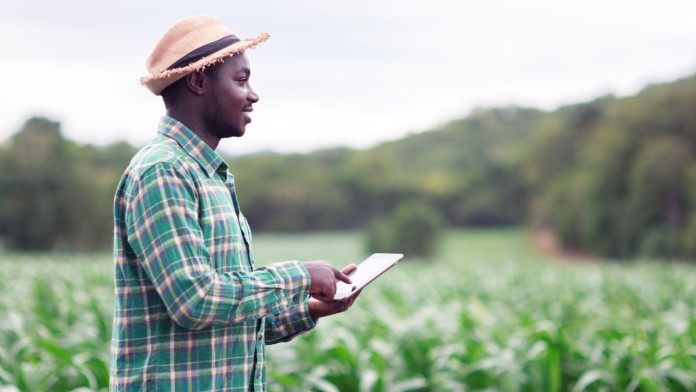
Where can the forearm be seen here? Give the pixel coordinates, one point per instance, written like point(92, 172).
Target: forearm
point(208, 298)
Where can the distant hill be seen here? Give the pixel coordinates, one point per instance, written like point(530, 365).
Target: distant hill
point(575, 170)
point(467, 167)
point(612, 176)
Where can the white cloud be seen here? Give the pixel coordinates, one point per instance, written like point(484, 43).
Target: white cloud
point(350, 73)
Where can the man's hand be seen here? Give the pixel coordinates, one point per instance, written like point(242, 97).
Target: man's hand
point(322, 309)
point(323, 280)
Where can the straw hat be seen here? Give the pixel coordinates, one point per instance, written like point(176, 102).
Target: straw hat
point(190, 45)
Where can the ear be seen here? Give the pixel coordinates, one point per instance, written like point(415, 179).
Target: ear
point(197, 82)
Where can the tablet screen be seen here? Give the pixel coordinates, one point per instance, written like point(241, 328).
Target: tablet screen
point(367, 271)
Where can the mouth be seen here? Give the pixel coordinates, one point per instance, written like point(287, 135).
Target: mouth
point(247, 113)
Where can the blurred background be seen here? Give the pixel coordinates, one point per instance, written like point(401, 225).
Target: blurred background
point(535, 160)
point(576, 118)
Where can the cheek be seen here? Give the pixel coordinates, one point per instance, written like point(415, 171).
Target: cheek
point(240, 96)
point(218, 105)
point(237, 92)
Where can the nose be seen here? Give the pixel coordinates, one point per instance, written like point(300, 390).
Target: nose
point(252, 96)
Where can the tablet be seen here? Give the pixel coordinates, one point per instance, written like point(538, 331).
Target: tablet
point(367, 271)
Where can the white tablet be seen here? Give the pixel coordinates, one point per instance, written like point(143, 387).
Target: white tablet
point(367, 271)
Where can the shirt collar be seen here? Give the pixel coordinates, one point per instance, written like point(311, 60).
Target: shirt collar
point(194, 146)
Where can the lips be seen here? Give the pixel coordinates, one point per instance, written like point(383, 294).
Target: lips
point(247, 110)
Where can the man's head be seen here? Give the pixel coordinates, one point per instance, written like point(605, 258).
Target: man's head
point(219, 96)
point(200, 69)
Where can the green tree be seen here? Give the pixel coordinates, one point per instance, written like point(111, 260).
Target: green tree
point(55, 194)
point(37, 186)
point(617, 184)
point(413, 228)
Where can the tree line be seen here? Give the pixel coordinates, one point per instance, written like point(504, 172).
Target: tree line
point(614, 176)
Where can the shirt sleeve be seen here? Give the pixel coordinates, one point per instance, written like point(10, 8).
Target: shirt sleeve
point(163, 231)
point(293, 321)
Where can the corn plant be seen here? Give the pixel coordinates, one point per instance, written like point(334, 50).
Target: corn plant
point(486, 314)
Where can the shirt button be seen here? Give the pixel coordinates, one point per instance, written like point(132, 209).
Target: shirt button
point(258, 375)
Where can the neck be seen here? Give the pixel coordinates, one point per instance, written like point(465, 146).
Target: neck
point(195, 124)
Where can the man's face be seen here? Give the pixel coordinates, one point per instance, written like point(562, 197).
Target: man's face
point(229, 104)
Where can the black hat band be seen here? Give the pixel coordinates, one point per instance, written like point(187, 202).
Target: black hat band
point(205, 50)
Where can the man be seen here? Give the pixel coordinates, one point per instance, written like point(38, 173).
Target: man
point(192, 312)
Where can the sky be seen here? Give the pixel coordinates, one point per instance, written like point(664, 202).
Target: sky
point(340, 73)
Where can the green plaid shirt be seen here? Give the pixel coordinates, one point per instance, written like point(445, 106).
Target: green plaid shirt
point(191, 311)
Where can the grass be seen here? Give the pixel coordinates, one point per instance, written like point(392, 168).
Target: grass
point(488, 313)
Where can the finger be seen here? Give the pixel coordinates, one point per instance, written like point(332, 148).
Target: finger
point(342, 277)
point(336, 307)
point(356, 295)
point(347, 304)
point(349, 269)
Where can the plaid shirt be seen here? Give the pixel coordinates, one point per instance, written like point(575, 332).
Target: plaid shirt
point(191, 311)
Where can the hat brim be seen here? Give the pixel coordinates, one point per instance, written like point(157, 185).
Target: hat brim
point(158, 82)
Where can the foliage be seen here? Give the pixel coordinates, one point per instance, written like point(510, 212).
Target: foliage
point(34, 191)
point(55, 194)
point(490, 315)
point(468, 169)
point(414, 229)
point(614, 176)
point(57, 314)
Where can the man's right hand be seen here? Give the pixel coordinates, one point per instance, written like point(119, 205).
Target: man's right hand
point(323, 280)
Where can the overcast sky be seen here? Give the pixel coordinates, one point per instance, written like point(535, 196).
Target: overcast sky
point(340, 72)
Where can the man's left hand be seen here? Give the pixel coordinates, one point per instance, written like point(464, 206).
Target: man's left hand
point(319, 308)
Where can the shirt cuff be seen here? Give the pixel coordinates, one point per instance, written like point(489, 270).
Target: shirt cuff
point(295, 319)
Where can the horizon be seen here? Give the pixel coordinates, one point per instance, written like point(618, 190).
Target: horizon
point(434, 128)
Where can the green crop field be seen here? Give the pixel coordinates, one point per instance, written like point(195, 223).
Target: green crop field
point(489, 313)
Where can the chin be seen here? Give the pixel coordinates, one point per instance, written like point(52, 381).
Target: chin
point(235, 132)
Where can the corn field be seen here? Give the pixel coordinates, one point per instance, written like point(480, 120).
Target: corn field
point(489, 314)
